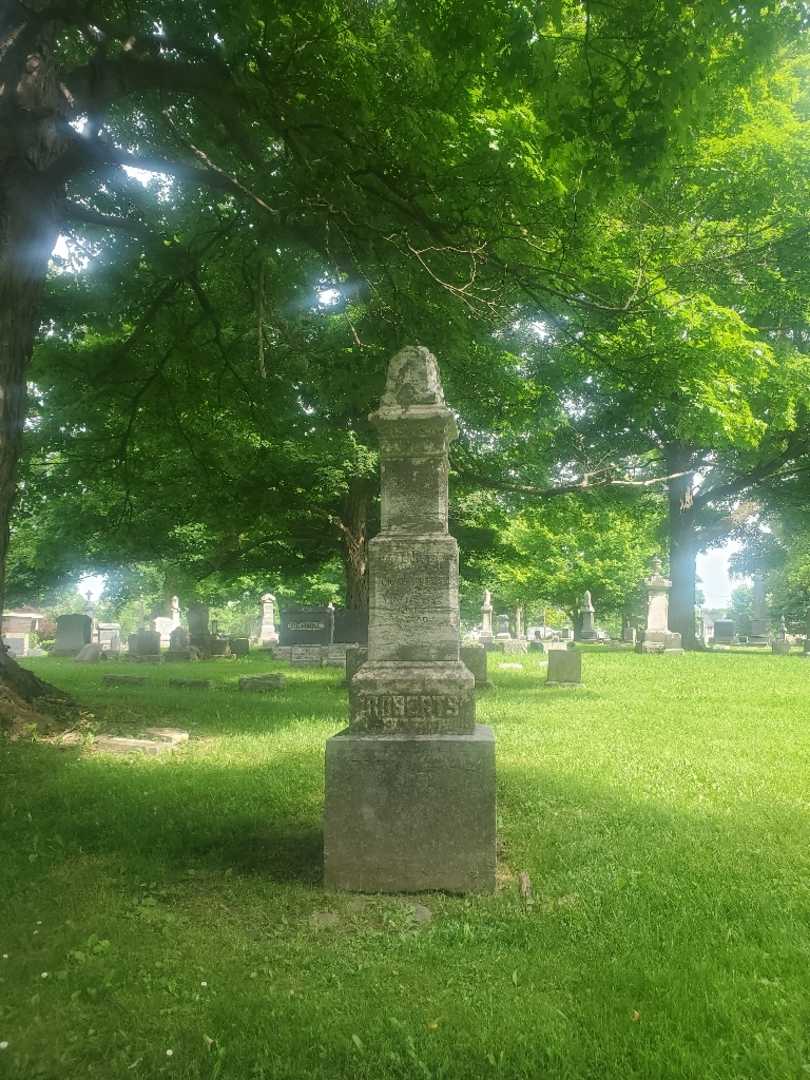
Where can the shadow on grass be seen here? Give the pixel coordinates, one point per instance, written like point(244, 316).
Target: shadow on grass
point(163, 816)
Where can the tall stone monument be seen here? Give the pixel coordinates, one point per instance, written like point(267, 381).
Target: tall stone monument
point(587, 631)
point(658, 638)
point(165, 624)
point(268, 635)
point(410, 784)
point(486, 618)
point(760, 628)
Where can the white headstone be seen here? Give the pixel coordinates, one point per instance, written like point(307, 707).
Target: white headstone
point(268, 634)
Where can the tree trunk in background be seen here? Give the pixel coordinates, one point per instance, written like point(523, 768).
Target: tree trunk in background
point(354, 528)
point(31, 194)
point(682, 546)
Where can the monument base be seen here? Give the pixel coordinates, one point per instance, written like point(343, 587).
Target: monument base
point(660, 641)
point(780, 648)
point(407, 813)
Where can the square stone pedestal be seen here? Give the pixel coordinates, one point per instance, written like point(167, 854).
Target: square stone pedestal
point(660, 641)
point(407, 813)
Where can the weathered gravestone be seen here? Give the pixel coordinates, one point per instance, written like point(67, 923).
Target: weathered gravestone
point(410, 784)
point(587, 631)
point(89, 654)
point(306, 655)
point(306, 626)
point(144, 645)
point(724, 632)
point(760, 627)
point(268, 635)
point(351, 626)
point(199, 630)
point(564, 667)
point(781, 644)
point(657, 637)
point(334, 655)
point(474, 658)
point(73, 632)
point(503, 627)
point(165, 624)
point(108, 636)
point(486, 619)
point(240, 646)
point(180, 647)
point(259, 684)
point(17, 645)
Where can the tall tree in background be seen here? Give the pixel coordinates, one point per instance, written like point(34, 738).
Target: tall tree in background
point(699, 381)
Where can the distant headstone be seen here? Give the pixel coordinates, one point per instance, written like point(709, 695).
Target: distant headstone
point(351, 626)
point(73, 632)
point(587, 631)
point(89, 654)
point(306, 626)
point(268, 635)
point(17, 645)
point(240, 646)
point(781, 646)
point(474, 658)
point(179, 638)
point(519, 622)
point(124, 680)
point(144, 644)
point(657, 637)
point(165, 624)
point(262, 683)
point(306, 655)
point(724, 632)
point(503, 627)
point(410, 785)
point(108, 636)
point(629, 635)
point(486, 618)
point(564, 667)
point(199, 630)
point(334, 655)
point(180, 647)
point(760, 626)
point(218, 646)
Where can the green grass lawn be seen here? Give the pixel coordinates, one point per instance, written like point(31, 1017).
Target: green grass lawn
point(164, 917)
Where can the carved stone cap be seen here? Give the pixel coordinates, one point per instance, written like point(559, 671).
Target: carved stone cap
point(268, 598)
point(656, 580)
point(413, 390)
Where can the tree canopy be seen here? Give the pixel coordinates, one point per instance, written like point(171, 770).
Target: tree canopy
point(593, 213)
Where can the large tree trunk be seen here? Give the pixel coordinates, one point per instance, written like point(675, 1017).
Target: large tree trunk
point(682, 546)
point(31, 194)
point(354, 529)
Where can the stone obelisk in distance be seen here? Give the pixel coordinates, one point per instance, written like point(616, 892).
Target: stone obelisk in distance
point(410, 785)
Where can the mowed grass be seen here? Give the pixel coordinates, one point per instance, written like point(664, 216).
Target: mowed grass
point(165, 917)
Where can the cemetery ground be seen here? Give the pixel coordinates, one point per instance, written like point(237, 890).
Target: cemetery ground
point(164, 916)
